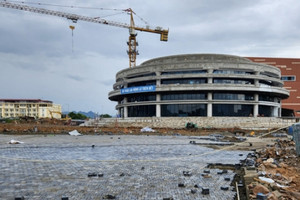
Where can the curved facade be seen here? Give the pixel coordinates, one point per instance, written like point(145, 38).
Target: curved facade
point(205, 85)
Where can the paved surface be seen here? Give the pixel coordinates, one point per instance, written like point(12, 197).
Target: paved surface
point(133, 167)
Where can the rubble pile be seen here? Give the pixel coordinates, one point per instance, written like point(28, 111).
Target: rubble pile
point(278, 173)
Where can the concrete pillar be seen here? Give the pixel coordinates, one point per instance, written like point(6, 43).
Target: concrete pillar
point(255, 107)
point(125, 111)
point(210, 79)
point(209, 104)
point(275, 111)
point(158, 108)
point(256, 82)
point(279, 111)
point(157, 82)
point(255, 110)
point(125, 108)
point(209, 110)
point(256, 97)
point(158, 78)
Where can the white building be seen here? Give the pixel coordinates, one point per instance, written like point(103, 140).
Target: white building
point(36, 108)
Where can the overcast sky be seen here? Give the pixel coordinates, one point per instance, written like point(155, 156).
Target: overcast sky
point(37, 60)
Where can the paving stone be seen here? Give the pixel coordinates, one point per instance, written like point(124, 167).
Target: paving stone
point(56, 167)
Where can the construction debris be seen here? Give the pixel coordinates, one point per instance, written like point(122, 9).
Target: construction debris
point(74, 133)
point(278, 170)
point(147, 129)
point(15, 142)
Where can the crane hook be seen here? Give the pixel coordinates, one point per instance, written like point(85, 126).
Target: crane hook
point(72, 28)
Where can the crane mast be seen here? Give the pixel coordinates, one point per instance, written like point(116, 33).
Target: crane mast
point(132, 43)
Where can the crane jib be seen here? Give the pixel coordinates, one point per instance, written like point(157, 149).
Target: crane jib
point(74, 17)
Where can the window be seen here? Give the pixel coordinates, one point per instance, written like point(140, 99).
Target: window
point(183, 110)
point(183, 96)
point(263, 97)
point(269, 74)
point(142, 83)
point(233, 96)
point(149, 97)
point(232, 81)
point(142, 111)
point(232, 110)
point(185, 72)
point(184, 81)
point(265, 111)
point(288, 78)
point(142, 75)
point(231, 72)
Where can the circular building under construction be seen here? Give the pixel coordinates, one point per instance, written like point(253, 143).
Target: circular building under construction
point(199, 85)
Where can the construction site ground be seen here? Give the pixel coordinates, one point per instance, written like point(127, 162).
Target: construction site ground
point(24, 164)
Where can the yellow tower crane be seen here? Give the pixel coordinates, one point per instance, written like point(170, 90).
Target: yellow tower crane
point(132, 43)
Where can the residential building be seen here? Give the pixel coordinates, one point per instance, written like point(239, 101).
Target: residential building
point(37, 108)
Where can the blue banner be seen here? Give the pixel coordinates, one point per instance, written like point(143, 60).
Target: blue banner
point(147, 88)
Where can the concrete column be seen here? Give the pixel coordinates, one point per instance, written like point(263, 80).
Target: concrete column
point(158, 108)
point(125, 111)
point(209, 104)
point(256, 97)
point(279, 111)
point(210, 79)
point(255, 110)
point(125, 108)
point(275, 112)
point(157, 82)
point(158, 78)
point(256, 82)
point(255, 107)
point(209, 110)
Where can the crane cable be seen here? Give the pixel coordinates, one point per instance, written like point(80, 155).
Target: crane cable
point(65, 6)
point(81, 7)
point(72, 28)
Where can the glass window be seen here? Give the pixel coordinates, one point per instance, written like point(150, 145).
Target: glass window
point(142, 97)
point(232, 81)
point(142, 83)
point(266, 83)
point(183, 110)
point(142, 75)
point(185, 72)
point(232, 110)
point(183, 96)
point(142, 111)
point(265, 111)
point(269, 74)
point(263, 97)
point(288, 78)
point(231, 72)
point(184, 81)
point(233, 96)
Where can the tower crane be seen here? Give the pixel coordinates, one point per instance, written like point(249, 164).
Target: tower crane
point(132, 43)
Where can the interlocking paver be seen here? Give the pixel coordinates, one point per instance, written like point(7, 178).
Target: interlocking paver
point(151, 166)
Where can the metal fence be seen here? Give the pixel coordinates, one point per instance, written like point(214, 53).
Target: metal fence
point(296, 137)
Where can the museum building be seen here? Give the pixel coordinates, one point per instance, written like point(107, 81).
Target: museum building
point(205, 85)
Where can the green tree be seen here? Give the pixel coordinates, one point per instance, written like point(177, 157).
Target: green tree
point(105, 116)
point(74, 115)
